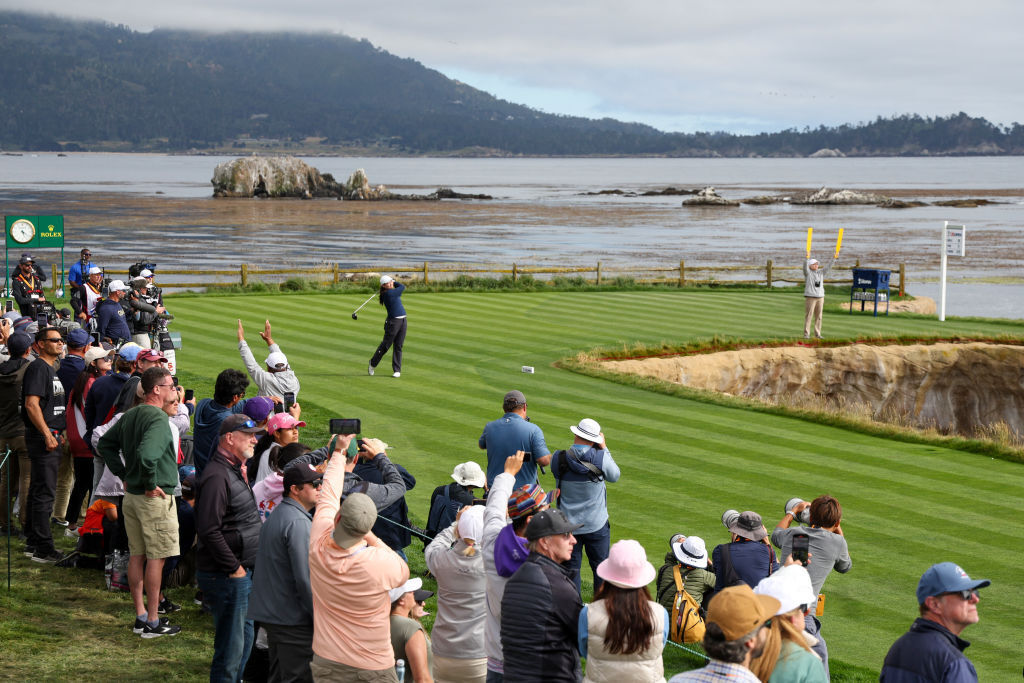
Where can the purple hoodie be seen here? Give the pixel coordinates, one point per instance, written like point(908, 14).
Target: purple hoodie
point(509, 552)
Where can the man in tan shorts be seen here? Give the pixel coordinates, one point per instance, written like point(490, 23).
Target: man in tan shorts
point(150, 473)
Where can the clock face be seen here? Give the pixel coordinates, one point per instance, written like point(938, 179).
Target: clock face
point(22, 231)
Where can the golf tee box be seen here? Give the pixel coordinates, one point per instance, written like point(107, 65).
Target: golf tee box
point(870, 285)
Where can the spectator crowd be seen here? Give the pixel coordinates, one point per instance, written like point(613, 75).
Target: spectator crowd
point(299, 553)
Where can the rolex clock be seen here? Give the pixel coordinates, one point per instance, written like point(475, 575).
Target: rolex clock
point(22, 231)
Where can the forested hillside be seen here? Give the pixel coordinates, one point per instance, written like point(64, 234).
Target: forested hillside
point(69, 85)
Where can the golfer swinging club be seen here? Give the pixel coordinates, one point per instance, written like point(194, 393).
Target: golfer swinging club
point(390, 297)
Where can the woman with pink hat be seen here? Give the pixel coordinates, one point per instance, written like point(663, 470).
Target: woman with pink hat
point(623, 632)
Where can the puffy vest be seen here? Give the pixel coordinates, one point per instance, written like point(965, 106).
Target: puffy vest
point(603, 666)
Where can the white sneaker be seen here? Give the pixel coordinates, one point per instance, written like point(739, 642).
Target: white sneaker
point(369, 370)
point(397, 374)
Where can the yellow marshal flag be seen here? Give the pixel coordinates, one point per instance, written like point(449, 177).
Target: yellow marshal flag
point(839, 242)
point(810, 231)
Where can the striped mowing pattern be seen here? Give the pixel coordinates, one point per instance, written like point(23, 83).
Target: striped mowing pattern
point(683, 462)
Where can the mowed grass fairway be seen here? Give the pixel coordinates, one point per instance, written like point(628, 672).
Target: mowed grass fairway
point(683, 462)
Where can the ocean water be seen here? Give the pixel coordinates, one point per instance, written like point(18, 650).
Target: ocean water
point(542, 215)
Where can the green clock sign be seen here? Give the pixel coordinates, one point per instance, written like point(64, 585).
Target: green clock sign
point(34, 232)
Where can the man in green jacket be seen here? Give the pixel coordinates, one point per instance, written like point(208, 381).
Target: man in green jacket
point(149, 445)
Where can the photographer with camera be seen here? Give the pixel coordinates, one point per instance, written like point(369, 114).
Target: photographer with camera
point(143, 309)
point(79, 271)
point(580, 474)
point(27, 287)
point(85, 299)
point(827, 550)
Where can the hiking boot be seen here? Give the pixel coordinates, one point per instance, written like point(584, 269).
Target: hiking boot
point(140, 625)
point(167, 607)
point(48, 557)
point(369, 370)
point(161, 629)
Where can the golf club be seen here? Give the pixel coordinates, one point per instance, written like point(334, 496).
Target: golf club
point(356, 317)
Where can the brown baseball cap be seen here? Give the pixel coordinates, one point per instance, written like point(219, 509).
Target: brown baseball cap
point(738, 610)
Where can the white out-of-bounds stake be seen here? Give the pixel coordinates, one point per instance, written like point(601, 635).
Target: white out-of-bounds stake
point(954, 240)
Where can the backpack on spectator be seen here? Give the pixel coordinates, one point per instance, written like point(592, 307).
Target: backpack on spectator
point(686, 624)
point(443, 510)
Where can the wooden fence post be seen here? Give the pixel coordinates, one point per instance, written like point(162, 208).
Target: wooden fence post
point(903, 275)
point(245, 274)
point(768, 273)
point(426, 273)
point(335, 273)
point(682, 273)
point(598, 272)
point(515, 273)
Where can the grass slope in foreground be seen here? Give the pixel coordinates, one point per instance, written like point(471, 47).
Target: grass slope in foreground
point(683, 462)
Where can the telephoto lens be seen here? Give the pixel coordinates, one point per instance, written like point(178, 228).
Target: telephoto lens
point(729, 518)
point(805, 515)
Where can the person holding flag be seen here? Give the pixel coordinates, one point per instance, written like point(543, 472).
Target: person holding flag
point(814, 286)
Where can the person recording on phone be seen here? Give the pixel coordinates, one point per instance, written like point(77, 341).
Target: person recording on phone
point(372, 451)
point(277, 378)
point(827, 550)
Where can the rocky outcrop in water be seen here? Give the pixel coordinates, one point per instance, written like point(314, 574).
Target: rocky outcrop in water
point(708, 197)
point(957, 388)
point(829, 196)
point(826, 153)
point(280, 176)
point(291, 177)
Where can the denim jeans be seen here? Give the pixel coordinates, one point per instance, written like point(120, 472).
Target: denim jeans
point(233, 633)
point(597, 544)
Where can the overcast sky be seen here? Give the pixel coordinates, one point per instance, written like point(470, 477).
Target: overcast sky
point(737, 65)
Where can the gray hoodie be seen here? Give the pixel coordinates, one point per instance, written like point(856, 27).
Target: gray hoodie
point(814, 280)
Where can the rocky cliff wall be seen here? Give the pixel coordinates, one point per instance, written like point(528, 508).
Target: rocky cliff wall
point(956, 388)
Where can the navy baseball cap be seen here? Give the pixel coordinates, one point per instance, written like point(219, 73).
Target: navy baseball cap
point(946, 577)
point(78, 338)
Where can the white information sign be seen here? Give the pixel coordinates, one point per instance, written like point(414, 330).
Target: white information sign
point(956, 239)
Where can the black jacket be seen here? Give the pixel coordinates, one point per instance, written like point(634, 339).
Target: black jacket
point(396, 537)
point(540, 611)
point(227, 519)
point(12, 373)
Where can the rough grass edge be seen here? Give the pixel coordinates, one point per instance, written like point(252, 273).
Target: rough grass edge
point(585, 363)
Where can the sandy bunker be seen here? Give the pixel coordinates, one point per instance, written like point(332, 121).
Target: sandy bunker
point(956, 388)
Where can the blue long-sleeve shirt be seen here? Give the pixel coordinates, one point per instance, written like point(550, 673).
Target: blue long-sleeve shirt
point(393, 301)
point(112, 322)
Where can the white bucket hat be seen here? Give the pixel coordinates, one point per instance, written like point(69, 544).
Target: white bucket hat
point(691, 551)
point(469, 474)
point(587, 429)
